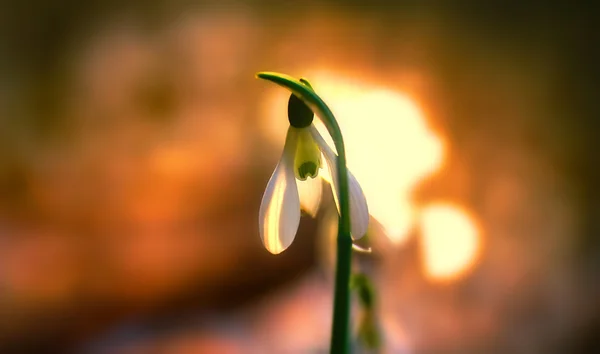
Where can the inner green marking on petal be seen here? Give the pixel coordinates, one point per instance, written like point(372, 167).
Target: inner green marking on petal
point(307, 169)
point(308, 156)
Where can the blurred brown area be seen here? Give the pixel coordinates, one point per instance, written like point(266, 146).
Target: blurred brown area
point(132, 166)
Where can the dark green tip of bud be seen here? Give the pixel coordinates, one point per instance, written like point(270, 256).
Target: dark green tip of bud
point(299, 115)
point(307, 169)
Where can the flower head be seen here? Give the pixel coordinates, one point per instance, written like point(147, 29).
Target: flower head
point(296, 183)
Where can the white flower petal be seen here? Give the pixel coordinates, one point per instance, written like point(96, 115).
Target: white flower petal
point(310, 195)
point(279, 214)
point(322, 129)
point(359, 211)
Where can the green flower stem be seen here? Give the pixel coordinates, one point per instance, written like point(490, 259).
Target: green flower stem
point(340, 338)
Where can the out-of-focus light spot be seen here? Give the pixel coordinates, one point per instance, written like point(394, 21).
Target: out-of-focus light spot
point(450, 241)
point(388, 144)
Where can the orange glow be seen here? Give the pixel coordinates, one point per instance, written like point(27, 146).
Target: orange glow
point(450, 241)
point(390, 149)
point(388, 144)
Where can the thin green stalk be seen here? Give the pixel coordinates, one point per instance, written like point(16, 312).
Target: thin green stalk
point(340, 337)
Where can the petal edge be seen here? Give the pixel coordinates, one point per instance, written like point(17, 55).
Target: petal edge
point(359, 211)
point(279, 214)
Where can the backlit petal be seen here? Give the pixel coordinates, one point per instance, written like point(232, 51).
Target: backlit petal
point(310, 195)
point(359, 211)
point(279, 214)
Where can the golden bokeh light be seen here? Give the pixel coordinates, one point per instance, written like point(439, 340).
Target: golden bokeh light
point(390, 149)
point(450, 241)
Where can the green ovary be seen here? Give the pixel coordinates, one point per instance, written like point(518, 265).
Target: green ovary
point(308, 156)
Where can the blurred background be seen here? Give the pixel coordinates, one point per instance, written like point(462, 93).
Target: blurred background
point(135, 145)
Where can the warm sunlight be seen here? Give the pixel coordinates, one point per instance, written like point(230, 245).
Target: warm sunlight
point(450, 241)
point(388, 144)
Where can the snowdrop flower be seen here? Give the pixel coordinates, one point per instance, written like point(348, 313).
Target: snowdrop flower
point(296, 183)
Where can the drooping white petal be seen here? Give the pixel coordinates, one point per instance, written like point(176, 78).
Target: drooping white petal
point(359, 211)
point(310, 195)
point(279, 214)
